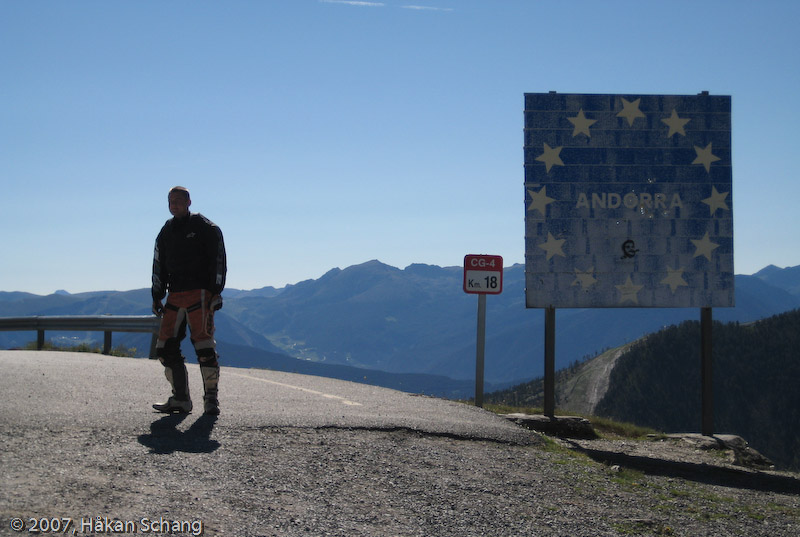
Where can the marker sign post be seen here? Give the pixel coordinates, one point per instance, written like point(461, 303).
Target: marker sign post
point(483, 275)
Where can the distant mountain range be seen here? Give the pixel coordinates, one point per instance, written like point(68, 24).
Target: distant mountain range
point(376, 321)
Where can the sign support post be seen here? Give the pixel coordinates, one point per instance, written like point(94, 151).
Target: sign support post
point(480, 347)
point(706, 374)
point(550, 362)
point(483, 275)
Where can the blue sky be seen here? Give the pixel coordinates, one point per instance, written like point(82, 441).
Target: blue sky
point(322, 134)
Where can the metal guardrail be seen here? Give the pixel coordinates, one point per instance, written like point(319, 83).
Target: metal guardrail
point(90, 323)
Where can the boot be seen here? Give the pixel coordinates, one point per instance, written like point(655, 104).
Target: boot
point(173, 406)
point(179, 401)
point(210, 383)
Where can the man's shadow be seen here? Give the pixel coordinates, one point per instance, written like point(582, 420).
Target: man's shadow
point(165, 437)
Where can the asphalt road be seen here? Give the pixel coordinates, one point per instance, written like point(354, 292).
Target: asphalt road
point(57, 389)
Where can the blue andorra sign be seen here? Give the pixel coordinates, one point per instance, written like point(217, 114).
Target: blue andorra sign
point(628, 201)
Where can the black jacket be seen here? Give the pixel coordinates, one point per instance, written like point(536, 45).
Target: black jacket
point(189, 254)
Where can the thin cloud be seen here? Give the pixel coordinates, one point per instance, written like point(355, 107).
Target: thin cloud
point(354, 3)
point(364, 3)
point(427, 8)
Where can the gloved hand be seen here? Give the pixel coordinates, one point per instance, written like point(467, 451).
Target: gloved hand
point(158, 308)
point(216, 302)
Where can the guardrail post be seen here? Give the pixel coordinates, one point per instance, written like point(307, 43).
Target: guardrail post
point(106, 342)
point(153, 342)
point(39, 340)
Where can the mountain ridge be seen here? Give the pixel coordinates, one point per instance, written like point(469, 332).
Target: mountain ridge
point(415, 320)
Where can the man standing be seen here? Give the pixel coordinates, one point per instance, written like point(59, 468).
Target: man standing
point(189, 262)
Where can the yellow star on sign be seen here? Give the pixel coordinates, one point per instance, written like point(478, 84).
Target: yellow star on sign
point(553, 246)
point(629, 291)
point(716, 201)
point(584, 278)
point(551, 157)
point(705, 157)
point(539, 200)
point(674, 279)
point(581, 124)
point(704, 247)
point(630, 111)
point(675, 124)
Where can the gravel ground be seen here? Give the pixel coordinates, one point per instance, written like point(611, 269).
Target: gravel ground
point(294, 455)
point(349, 482)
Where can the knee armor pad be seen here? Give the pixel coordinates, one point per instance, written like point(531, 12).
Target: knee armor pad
point(208, 358)
point(170, 353)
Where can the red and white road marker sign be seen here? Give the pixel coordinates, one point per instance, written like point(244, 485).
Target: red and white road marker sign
point(483, 274)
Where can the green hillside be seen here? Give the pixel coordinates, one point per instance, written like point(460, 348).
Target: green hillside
point(756, 379)
point(655, 382)
point(579, 387)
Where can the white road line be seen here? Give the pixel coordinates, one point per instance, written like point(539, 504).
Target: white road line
point(300, 388)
